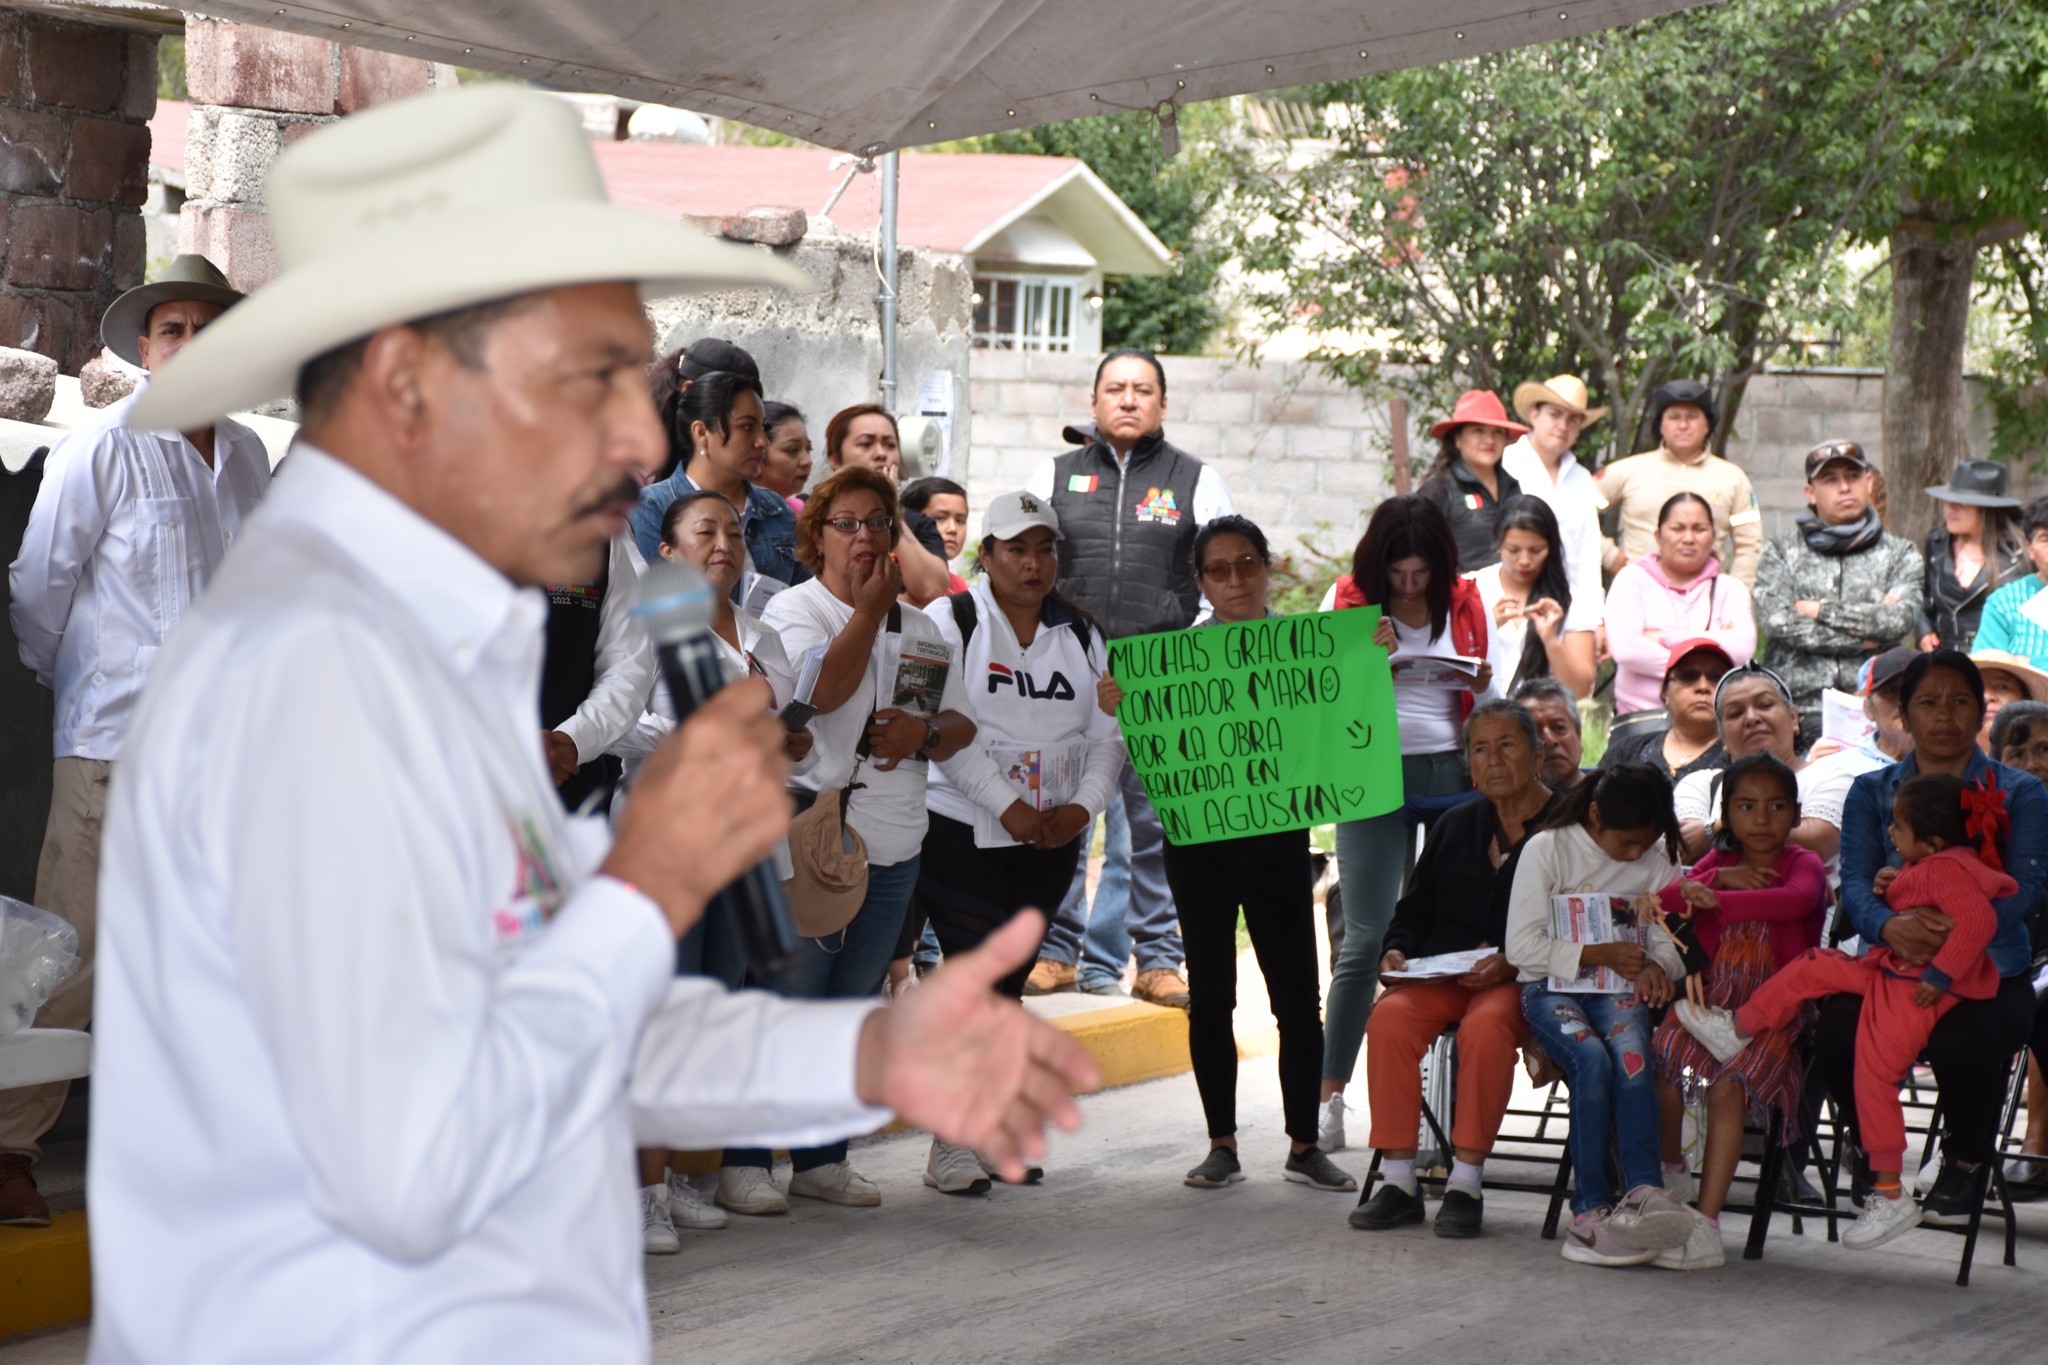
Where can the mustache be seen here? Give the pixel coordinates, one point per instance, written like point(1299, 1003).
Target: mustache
point(622, 495)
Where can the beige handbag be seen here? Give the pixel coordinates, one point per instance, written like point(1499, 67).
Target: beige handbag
point(830, 867)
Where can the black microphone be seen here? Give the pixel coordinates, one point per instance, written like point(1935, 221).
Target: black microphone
point(677, 604)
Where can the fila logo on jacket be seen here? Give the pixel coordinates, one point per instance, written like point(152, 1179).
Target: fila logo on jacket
point(1056, 689)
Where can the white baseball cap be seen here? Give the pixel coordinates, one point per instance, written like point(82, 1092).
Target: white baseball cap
point(1012, 514)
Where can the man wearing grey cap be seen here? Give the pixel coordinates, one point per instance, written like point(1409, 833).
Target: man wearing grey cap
point(1836, 589)
point(127, 528)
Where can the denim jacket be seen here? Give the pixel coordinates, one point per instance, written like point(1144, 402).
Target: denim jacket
point(1867, 846)
point(766, 522)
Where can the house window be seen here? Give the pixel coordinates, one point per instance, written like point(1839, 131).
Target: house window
point(1024, 313)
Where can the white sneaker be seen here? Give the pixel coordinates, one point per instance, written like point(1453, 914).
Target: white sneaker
point(1589, 1240)
point(837, 1183)
point(1700, 1251)
point(953, 1170)
point(1715, 1029)
point(687, 1208)
point(1649, 1218)
point(1330, 1124)
point(1881, 1220)
point(657, 1234)
point(749, 1189)
point(1682, 1186)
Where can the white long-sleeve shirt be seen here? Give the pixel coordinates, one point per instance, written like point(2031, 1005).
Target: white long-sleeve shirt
point(1558, 862)
point(625, 664)
point(1024, 698)
point(127, 528)
point(373, 1047)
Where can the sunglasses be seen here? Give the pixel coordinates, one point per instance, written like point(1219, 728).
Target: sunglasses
point(847, 526)
point(1687, 675)
point(1244, 566)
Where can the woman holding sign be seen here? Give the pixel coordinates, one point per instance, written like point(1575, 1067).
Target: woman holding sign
point(1270, 878)
point(1435, 626)
point(1008, 811)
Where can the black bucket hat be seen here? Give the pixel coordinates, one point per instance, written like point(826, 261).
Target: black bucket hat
point(1975, 483)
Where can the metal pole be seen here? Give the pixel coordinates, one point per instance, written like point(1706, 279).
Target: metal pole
point(887, 298)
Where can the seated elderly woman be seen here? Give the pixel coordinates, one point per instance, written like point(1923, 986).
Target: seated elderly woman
point(1456, 903)
point(1754, 714)
point(1687, 740)
point(2008, 678)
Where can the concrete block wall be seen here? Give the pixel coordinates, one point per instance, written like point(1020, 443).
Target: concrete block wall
point(255, 91)
point(75, 101)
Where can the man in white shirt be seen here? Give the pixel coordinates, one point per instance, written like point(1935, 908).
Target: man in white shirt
point(127, 528)
point(1543, 463)
point(380, 1024)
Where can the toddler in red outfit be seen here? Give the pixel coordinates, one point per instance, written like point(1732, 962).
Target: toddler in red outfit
point(1901, 1002)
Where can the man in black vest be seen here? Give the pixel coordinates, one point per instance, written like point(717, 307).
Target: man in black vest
point(1129, 504)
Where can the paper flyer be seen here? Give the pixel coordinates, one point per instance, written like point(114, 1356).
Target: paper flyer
point(1594, 917)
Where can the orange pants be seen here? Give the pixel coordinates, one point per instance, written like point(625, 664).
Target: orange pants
point(1405, 1022)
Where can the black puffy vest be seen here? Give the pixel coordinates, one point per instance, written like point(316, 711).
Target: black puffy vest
point(1128, 536)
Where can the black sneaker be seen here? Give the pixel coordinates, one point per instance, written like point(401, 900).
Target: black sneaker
point(1218, 1169)
point(1313, 1168)
point(1948, 1204)
point(1458, 1215)
point(1392, 1207)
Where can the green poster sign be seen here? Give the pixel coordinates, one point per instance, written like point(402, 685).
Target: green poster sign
point(1284, 723)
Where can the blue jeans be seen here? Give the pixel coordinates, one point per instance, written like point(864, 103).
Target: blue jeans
point(1134, 908)
point(1603, 1044)
point(1374, 858)
point(843, 966)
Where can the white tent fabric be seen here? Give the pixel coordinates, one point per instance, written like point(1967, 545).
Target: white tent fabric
point(877, 75)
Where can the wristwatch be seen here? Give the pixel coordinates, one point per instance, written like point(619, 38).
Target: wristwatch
point(931, 737)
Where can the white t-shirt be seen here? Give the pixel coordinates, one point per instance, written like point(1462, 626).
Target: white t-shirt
point(1431, 719)
point(1823, 790)
point(888, 808)
point(1582, 614)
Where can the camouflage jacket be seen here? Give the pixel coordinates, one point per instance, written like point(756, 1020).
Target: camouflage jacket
point(1868, 603)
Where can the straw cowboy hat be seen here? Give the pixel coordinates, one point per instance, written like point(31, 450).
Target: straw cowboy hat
point(421, 206)
point(1564, 391)
point(2021, 668)
point(1477, 408)
point(186, 277)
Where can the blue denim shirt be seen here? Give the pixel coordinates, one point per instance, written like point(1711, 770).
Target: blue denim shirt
point(766, 522)
point(1867, 847)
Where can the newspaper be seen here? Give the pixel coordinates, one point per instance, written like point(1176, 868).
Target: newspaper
point(1441, 966)
point(1594, 917)
point(1842, 718)
point(920, 685)
point(1043, 777)
point(1457, 671)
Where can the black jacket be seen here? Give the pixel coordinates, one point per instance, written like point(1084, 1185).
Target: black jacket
point(1473, 512)
point(1456, 900)
point(1949, 609)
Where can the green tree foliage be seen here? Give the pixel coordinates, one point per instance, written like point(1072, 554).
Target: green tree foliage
point(1643, 203)
point(1174, 314)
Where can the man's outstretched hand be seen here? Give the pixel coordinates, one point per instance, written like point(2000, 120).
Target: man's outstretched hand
point(971, 1067)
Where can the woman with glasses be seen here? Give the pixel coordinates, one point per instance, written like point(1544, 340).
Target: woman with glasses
point(1269, 878)
point(1685, 738)
point(1678, 593)
point(881, 722)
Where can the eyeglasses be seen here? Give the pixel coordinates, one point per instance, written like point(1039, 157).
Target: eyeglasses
point(847, 526)
point(1244, 566)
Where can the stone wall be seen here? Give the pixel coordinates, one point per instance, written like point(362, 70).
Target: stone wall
point(255, 91)
point(1305, 457)
point(75, 101)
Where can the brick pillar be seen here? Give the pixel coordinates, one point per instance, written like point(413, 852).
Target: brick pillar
point(255, 91)
point(75, 101)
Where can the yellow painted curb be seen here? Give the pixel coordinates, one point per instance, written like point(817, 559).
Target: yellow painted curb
point(45, 1276)
point(1131, 1043)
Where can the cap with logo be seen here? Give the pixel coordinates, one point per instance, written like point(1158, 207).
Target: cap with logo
point(1012, 514)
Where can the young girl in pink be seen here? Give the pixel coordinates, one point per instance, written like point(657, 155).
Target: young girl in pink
point(1755, 902)
point(1901, 1002)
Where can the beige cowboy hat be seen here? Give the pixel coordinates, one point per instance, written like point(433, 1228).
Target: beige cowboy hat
point(1565, 390)
point(2021, 668)
point(421, 206)
point(186, 277)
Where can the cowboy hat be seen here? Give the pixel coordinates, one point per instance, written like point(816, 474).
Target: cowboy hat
point(2021, 668)
point(186, 277)
point(1975, 483)
point(418, 207)
point(1564, 391)
point(1688, 391)
point(1477, 408)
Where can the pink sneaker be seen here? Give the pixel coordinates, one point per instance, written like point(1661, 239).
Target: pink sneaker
point(1589, 1241)
point(1650, 1219)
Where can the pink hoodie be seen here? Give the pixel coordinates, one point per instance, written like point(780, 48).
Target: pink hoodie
point(1646, 616)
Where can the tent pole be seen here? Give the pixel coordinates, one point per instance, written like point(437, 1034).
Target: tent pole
point(887, 298)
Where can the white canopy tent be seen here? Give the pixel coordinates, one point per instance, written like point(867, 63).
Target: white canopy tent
point(876, 75)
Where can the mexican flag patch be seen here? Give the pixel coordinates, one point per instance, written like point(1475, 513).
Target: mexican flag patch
point(1083, 483)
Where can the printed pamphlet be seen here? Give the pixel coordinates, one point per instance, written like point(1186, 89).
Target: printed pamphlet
point(1592, 917)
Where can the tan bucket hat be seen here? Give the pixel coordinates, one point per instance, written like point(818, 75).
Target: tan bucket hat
point(1565, 390)
point(424, 205)
point(186, 277)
